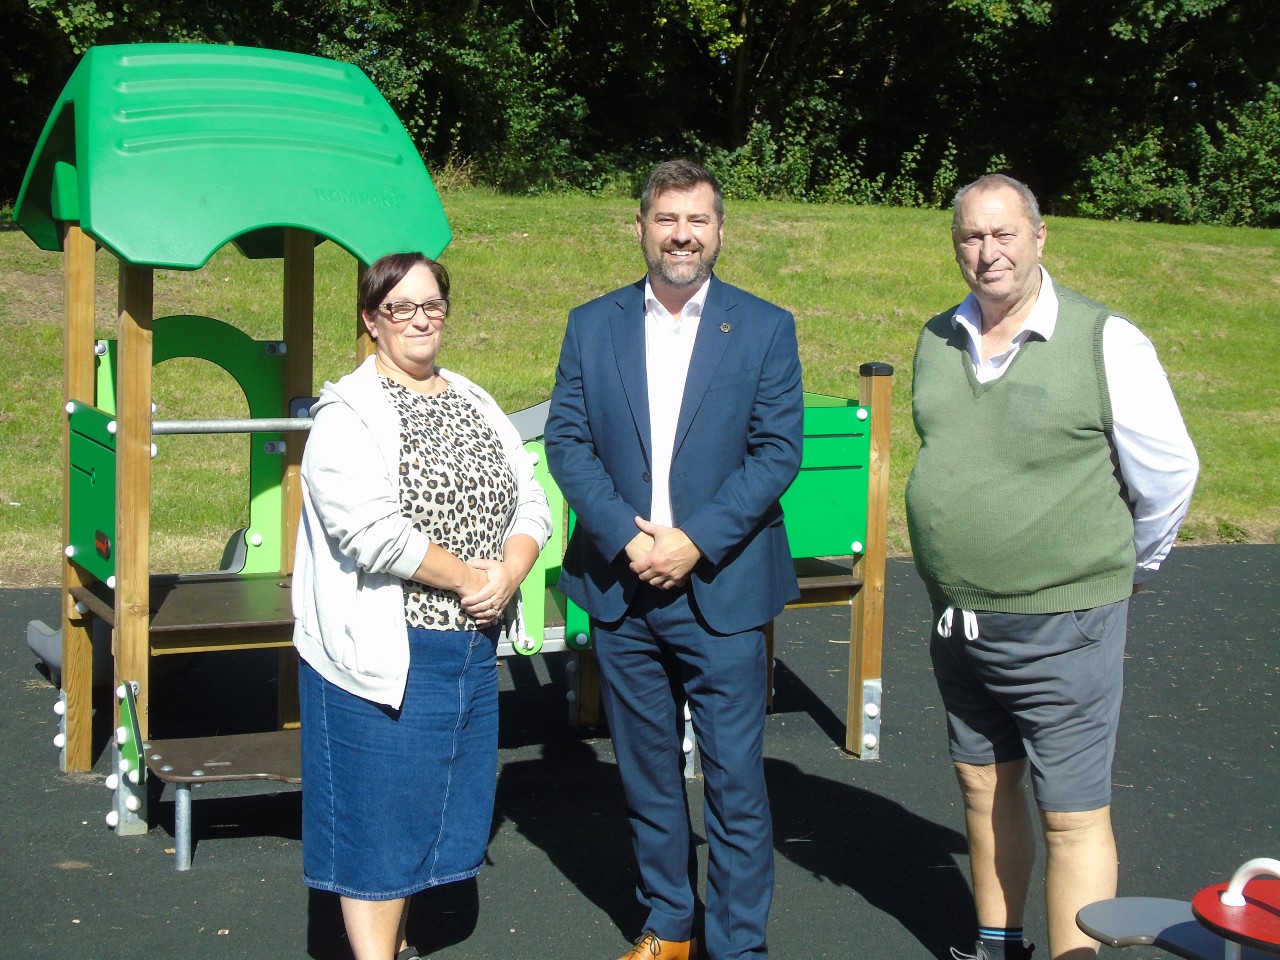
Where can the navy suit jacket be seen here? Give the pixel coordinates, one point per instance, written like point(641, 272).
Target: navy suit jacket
point(737, 449)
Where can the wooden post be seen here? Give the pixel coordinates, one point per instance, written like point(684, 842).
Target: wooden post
point(862, 732)
point(77, 382)
point(588, 706)
point(299, 375)
point(133, 485)
point(299, 378)
point(365, 347)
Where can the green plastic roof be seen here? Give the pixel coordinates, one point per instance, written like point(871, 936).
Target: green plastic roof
point(164, 152)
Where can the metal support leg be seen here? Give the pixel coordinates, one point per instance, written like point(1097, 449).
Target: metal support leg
point(182, 826)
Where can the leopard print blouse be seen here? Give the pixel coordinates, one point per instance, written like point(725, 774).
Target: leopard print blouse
point(456, 486)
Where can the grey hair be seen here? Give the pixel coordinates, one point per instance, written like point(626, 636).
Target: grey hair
point(990, 182)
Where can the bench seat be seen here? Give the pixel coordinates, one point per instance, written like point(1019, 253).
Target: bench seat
point(1153, 921)
point(274, 755)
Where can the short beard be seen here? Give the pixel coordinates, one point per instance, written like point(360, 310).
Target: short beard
point(705, 264)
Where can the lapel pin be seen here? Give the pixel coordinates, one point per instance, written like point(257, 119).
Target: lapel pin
point(725, 328)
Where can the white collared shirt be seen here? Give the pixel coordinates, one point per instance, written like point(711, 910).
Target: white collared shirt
point(1157, 458)
point(668, 345)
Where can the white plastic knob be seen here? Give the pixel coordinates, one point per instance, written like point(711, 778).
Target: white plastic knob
point(111, 583)
point(687, 745)
point(572, 696)
point(872, 710)
point(856, 546)
point(255, 540)
point(571, 666)
point(112, 781)
point(81, 607)
point(122, 734)
point(132, 803)
point(121, 692)
point(113, 819)
point(135, 777)
point(123, 765)
point(580, 639)
point(60, 740)
point(154, 450)
point(862, 414)
point(69, 551)
point(870, 741)
point(59, 708)
point(688, 711)
point(111, 427)
point(533, 456)
point(70, 407)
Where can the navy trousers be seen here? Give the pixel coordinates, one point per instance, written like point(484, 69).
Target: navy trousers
point(650, 661)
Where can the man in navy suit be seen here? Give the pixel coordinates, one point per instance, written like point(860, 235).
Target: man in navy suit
point(675, 426)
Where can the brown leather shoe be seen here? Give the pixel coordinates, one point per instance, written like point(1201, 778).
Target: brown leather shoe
point(649, 946)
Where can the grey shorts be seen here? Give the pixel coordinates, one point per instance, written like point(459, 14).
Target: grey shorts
point(1042, 686)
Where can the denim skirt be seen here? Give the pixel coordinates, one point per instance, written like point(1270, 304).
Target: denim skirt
point(394, 801)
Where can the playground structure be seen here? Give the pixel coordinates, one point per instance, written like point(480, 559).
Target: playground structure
point(161, 154)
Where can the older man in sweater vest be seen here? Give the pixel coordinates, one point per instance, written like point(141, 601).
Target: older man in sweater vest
point(1053, 474)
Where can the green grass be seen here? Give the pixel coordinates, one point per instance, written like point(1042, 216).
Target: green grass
point(860, 280)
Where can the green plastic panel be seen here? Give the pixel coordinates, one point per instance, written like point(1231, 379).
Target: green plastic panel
point(577, 622)
point(825, 507)
point(260, 375)
point(163, 153)
point(546, 569)
point(133, 765)
point(92, 515)
point(104, 374)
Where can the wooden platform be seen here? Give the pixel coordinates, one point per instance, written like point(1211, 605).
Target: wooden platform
point(274, 755)
point(197, 613)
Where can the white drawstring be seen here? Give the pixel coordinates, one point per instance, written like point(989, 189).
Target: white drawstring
point(967, 617)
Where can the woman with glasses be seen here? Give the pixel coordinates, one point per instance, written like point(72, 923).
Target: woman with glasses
point(420, 518)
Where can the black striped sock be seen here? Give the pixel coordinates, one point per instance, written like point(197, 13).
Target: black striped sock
point(996, 939)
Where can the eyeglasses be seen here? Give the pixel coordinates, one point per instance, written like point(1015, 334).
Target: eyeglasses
point(405, 310)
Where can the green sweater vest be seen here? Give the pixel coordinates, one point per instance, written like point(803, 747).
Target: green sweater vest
point(1015, 503)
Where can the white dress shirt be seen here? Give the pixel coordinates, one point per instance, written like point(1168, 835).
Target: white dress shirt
point(1157, 459)
point(668, 345)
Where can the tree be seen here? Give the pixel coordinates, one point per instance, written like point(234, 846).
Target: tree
point(890, 101)
point(35, 61)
